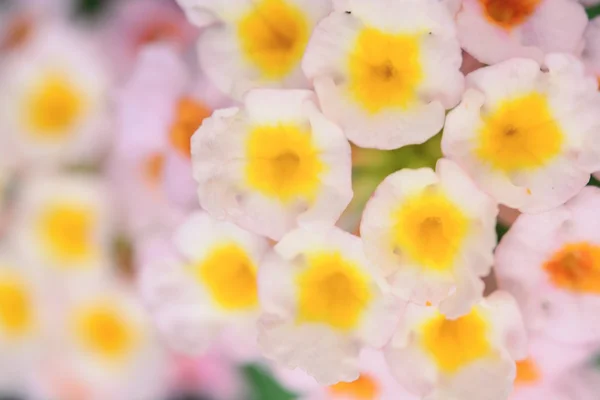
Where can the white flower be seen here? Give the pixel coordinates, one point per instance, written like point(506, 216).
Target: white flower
point(386, 71)
point(469, 358)
point(63, 225)
point(248, 44)
point(432, 235)
point(527, 134)
point(53, 102)
point(274, 164)
point(322, 304)
point(203, 287)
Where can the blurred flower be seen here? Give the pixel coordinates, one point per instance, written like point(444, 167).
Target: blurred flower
point(133, 24)
point(62, 225)
point(471, 357)
point(432, 234)
point(551, 263)
point(386, 71)
point(203, 288)
point(53, 103)
point(322, 303)
point(159, 109)
point(248, 44)
point(375, 382)
point(591, 53)
point(497, 30)
point(274, 164)
point(548, 362)
point(106, 351)
point(527, 137)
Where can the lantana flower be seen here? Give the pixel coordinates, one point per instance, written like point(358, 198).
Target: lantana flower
point(54, 99)
point(375, 382)
point(108, 349)
point(322, 303)
point(432, 234)
point(248, 44)
point(471, 357)
point(591, 53)
point(273, 164)
point(386, 71)
point(527, 133)
point(202, 288)
point(551, 263)
point(63, 225)
point(159, 109)
point(497, 30)
point(548, 363)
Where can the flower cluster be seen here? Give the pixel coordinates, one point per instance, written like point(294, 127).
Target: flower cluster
point(382, 199)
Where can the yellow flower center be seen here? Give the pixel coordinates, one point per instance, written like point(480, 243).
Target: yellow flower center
point(576, 268)
point(509, 13)
point(363, 388)
point(16, 311)
point(53, 107)
point(230, 278)
point(430, 229)
point(273, 36)
point(104, 330)
point(385, 70)
point(283, 163)
point(67, 232)
point(189, 115)
point(332, 291)
point(520, 134)
point(455, 344)
point(527, 372)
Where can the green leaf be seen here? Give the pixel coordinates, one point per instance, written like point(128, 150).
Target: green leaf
point(594, 182)
point(262, 384)
point(593, 12)
point(501, 230)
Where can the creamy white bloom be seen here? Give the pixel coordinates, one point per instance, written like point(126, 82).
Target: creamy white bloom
point(63, 225)
point(386, 71)
point(527, 133)
point(247, 44)
point(468, 358)
point(202, 287)
point(54, 99)
point(322, 303)
point(273, 164)
point(432, 234)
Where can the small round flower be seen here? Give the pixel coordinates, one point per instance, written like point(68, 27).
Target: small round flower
point(591, 53)
point(158, 110)
point(386, 71)
point(322, 303)
point(248, 44)
point(202, 288)
point(273, 164)
point(471, 357)
point(375, 382)
point(432, 234)
point(551, 263)
point(63, 225)
point(54, 99)
point(526, 136)
point(497, 30)
point(107, 348)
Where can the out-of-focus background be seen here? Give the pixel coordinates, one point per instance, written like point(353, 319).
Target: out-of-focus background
point(94, 167)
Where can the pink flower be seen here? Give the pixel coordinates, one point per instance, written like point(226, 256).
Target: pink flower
point(496, 30)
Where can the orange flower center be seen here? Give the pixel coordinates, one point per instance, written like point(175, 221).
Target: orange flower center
point(158, 31)
point(364, 388)
point(153, 168)
point(527, 372)
point(509, 13)
point(19, 30)
point(189, 114)
point(576, 268)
